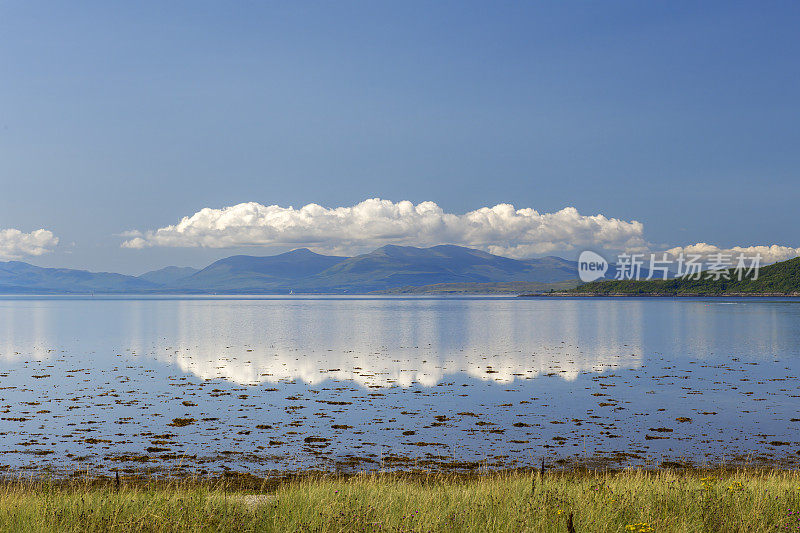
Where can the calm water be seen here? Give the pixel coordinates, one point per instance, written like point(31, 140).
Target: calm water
point(358, 383)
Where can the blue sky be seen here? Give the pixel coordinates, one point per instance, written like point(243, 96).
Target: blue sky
point(682, 116)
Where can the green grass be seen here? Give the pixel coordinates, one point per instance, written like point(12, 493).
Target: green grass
point(663, 500)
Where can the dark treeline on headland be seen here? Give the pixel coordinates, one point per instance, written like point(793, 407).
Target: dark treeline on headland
point(779, 279)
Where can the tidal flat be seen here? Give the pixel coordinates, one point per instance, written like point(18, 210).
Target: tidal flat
point(179, 387)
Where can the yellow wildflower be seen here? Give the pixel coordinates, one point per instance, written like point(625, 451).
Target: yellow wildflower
point(736, 486)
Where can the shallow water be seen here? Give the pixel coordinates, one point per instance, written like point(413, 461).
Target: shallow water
point(357, 383)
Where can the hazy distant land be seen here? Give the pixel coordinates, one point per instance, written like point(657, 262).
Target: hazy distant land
point(389, 268)
point(511, 287)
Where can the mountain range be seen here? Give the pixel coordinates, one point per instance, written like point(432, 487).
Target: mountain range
point(300, 271)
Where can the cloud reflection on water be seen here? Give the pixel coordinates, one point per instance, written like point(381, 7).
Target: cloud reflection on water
point(381, 343)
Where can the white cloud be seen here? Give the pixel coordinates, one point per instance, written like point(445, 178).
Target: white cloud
point(502, 229)
point(15, 244)
point(769, 254)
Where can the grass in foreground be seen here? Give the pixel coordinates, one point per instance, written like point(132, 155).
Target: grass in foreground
point(627, 501)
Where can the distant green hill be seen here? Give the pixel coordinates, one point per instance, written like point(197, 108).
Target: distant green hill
point(777, 279)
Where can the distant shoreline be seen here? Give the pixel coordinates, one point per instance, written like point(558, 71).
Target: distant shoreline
point(657, 295)
point(398, 294)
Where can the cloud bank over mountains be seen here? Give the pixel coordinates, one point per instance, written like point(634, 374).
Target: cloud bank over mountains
point(502, 229)
point(14, 244)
